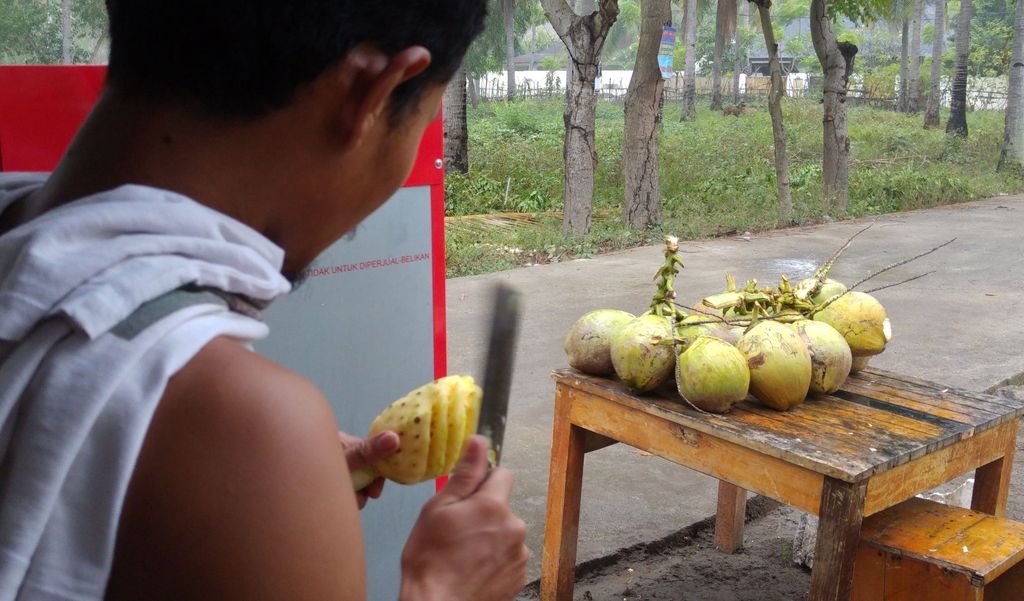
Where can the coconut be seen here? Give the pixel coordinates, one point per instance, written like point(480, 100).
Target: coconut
point(830, 355)
point(859, 363)
point(642, 352)
point(861, 319)
point(700, 324)
point(588, 340)
point(829, 288)
point(712, 374)
point(779, 362)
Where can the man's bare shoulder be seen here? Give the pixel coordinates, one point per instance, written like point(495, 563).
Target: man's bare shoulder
point(240, 491)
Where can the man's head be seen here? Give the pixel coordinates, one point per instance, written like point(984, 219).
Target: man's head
point(245, 58)
point(330, 97)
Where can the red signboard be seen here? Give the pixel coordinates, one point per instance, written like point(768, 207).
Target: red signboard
point(41, 108)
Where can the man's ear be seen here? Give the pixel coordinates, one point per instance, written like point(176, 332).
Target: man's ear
point(362, 85)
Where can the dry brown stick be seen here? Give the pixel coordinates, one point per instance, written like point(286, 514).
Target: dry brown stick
point(900, 283)
point(903, 262)
point(824, 269)
point(880, 272)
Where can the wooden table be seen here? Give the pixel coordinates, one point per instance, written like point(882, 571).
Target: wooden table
point(880, 440)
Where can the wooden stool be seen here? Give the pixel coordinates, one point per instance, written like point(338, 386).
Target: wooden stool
point(924, 551)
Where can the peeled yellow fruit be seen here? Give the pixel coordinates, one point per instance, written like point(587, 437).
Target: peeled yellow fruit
point(862, 321)
point(779, 362)
point(433, 424)
point(712, 374)
point(830, 355)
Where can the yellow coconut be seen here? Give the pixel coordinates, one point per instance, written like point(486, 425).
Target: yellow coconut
point(830, 355)
point(587, 345)
point(862, 321)
point(859, 363)
point(712, 374)
point(642, 352)
point(779, 362)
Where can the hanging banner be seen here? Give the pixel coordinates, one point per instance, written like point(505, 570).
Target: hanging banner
point(666, 54)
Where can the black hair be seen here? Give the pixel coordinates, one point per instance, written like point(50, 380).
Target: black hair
point(246, 58)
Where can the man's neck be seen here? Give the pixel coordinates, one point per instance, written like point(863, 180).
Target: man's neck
point(236, 169)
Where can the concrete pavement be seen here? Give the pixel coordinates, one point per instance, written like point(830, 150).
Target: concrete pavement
point(960, 326)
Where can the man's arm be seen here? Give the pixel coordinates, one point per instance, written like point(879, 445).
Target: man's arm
point(242, 492)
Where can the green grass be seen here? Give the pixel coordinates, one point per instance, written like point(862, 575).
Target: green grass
point(717, 176)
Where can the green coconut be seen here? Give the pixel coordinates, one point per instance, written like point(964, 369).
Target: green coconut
point(830, 355)
point(643, 353)
point(862, 321)
point(859, 363)
point(829, 288)
point(712, 374)
point(779, 363)
point(587, 345)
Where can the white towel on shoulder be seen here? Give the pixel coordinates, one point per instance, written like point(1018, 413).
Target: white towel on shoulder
point(76, 391)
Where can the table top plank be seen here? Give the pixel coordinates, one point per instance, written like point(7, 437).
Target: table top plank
point(876, 422)
point(764, 440)
point(810, 422)
point(937, 393)
point(914, 400)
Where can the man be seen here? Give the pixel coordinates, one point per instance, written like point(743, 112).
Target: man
point(146, 452)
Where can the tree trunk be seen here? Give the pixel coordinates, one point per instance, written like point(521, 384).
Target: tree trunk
point(836, 62)
point(901, 97)
point(642, 208)
point(931, 113)
point(957, 123)
point(456, 134)
point(508, 10)
point(914, 78)
point(584, 38)
point(737, 64)
point(65, 32)
point(533, 48)
point(474, 91)
point(778, 90)
point(690, 74)
point(1012, 153)
point(725, 20)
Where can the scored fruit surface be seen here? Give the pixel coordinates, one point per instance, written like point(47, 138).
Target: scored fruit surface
point(433, 424)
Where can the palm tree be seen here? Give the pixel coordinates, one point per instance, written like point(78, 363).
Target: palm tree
point(456, 134)
point(508, 11)
point(725, 23)
point(957, 123)
point(690, 74)
point(1013, 138)
point(931, 112)
point(913, 103)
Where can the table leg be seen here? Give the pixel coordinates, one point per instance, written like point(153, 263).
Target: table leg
point(839, 521)
point(565, 483)
point(992, 481)
point(732, 510)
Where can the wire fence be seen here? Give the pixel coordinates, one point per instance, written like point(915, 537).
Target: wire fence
point(754, 89)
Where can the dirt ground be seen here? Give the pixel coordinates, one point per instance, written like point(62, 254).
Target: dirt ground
point(686, 566)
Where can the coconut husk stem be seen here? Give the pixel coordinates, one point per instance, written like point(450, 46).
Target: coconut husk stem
point(663, 302)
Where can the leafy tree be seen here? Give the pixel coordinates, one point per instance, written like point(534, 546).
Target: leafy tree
point(31, 31)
